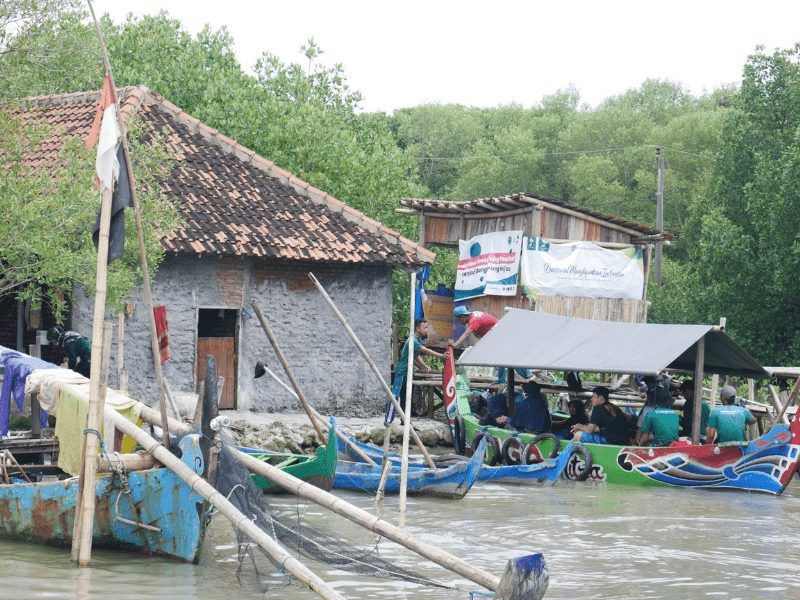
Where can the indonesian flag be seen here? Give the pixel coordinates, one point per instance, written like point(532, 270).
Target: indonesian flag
point(449, 385)
point(105, 119)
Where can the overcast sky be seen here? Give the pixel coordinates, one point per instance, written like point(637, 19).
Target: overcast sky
point(496, 51)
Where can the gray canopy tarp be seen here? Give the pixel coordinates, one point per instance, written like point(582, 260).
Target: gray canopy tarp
point(534, 340)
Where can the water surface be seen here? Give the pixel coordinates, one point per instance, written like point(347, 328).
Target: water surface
point(600, 541)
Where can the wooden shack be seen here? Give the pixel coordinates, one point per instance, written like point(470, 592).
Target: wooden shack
point(442, 223)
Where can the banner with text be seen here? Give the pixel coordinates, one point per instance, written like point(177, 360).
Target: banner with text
point(581, 269)
point(488, 264)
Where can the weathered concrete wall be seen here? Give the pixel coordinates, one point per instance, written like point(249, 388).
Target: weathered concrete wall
point(334, 377)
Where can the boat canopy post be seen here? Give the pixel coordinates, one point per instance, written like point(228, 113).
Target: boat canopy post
point(511, 382)
point(363, 351)
point(699, 361)
point(410, 343)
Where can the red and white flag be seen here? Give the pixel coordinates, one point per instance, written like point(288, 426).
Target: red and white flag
point(105, 132)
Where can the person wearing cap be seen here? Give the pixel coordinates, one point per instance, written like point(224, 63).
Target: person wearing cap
point(728, 422)
point(607, 425)
point(687, 417)
point(77, 347)
point(660, 426)
point(477, 322)
point(401, 368)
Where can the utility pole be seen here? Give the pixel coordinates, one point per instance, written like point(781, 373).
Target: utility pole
point(659, 212)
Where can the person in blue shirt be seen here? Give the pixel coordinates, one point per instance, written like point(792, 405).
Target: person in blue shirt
point(531, 412)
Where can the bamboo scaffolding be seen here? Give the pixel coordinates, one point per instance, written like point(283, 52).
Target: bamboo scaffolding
point(240, 521)
point(282, 359)
point(363, 351)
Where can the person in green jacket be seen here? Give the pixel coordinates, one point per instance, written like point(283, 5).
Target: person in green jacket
point(401, 368)
point(77, 347)
point(728, 422)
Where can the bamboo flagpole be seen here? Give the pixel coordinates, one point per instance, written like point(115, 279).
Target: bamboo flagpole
point(137, 211)
point(282, 359)
point(363, 351)
point(410, 343)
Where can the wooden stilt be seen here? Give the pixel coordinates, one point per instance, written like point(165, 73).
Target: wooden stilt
point(97, 398)
point(363, 351)
point(699, 364)
point(386, 465)
point(790, 400)
point(776, 402)
point(409, 390)
point(279, 353)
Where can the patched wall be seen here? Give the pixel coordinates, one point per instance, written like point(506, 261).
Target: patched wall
point(333, 375)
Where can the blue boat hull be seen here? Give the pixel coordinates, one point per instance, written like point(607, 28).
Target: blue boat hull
point(547, 471)
point(452, 482)
point(44, 512)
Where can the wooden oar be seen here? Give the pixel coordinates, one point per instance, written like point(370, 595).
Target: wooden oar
point(398, 409)
point(240, 521)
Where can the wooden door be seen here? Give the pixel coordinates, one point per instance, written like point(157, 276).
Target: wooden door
point(222, 349)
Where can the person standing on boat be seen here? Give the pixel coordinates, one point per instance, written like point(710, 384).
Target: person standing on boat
point(77, 347)
point(401, 368)
point(607, 425)
point(728, 422)
point(477, 322)
point(687, 417)
point(661, 425)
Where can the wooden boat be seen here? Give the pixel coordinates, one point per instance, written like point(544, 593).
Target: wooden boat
point(546, 471)
point(766, 464)
point(317, 469)
point(151, 511)
point(451, 482)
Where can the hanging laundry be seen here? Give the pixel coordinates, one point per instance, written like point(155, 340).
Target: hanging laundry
point(17, 367)
point(162, 329)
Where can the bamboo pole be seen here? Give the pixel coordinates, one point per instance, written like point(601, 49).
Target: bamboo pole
point(699, 363)
point(386, 466)
point(790, 400)
point(240, 521)
point(137, 211)
point(776, 402)
point(122, 374)
point(715, 378)
point(369, 521)
point(97, 400)
point(365, 457)
point(410, 343)
point(279, 353)
point(363, 351)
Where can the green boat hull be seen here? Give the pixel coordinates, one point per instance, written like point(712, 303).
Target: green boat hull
point(317, 469)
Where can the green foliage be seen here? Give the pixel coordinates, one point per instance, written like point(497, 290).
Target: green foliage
point(45, 235)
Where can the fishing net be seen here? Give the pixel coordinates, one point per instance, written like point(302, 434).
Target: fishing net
point(287, 528)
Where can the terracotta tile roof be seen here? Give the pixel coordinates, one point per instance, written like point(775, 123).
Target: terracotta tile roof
point(232, 201)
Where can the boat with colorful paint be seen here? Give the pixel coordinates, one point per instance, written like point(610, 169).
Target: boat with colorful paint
point(546, 471)
point(318, 469)
point(450, 482)
point(765, 464)
point(151, 511)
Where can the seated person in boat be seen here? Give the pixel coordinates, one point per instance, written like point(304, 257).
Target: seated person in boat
point(490, 407)
point(728, 423)
point(661, 425)
point(607, 424)
point(531, 413)
point(77, 347)
point(577, 416)
point(687, 418)
point(401, 368)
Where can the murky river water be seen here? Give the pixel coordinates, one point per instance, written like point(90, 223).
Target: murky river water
point(599, 542)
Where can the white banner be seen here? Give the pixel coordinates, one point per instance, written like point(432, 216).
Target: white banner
point(488, 264)
point(581, 269)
